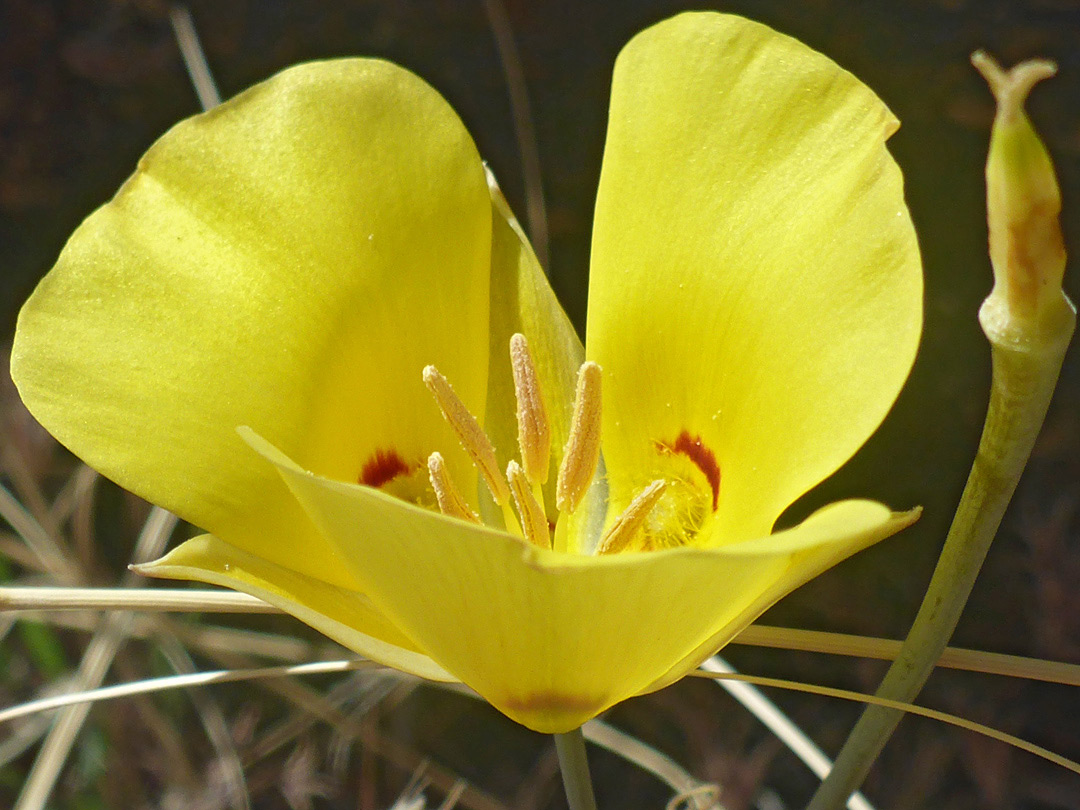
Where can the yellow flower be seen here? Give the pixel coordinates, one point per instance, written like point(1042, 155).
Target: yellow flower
point(291, 261)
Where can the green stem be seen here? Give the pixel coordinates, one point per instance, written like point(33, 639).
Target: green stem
point(1024, 378)
point(575, 770)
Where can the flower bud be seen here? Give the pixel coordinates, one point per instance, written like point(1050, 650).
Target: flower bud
point(1027, 307)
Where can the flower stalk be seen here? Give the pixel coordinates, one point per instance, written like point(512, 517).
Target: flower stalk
point(574, 764)
point(1029, 322)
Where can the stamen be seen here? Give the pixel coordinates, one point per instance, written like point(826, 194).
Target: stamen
point(534, 433)
point(533, 520)
point(622, 531)
point(450, 501)
point(472, 436)
point(583, 447)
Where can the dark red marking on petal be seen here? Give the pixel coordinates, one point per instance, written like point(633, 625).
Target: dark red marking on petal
point(383, 467)
point(694, 449)
point(552, 707)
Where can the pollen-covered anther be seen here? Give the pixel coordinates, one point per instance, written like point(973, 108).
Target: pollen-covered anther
point(534, 522)
point(622, 531)
point(534, 432)
point(472, 436)
point(582, 451)
point(450, 501)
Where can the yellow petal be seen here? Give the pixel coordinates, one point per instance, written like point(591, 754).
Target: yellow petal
point(553, 639)
point(755, 278)
point(345, 616)
point(809, 556)
point(522, 301)
point(290, 260)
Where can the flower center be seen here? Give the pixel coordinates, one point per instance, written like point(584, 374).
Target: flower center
point(668, 510)
point(520, 492)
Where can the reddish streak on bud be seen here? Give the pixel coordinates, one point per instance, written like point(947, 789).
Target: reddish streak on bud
point(694, 449)
point(383, 467)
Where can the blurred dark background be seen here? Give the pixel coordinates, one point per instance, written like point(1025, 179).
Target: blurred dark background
point(87, 85)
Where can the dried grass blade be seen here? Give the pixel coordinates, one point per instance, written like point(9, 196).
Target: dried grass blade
point(213, 720)
point(98, 657)
point(703, 795)
point(37, 539)
point(194, 57)
point(770, 715)
point(167, 682)
point(524, 129)
point(910, 708)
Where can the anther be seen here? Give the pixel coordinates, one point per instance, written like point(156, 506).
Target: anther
point(450, 501)
point(624, 528)
point(533, 520)
point(472, 436)
point(583, 447)
point(534, 433)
